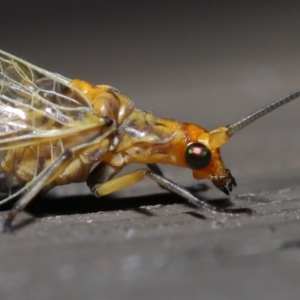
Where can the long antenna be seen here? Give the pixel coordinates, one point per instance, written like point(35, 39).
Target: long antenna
point(236, 126)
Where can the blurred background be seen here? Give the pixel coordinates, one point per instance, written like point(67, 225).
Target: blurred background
point(206, 62)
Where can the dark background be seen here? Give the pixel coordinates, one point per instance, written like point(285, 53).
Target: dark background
point(207, 62)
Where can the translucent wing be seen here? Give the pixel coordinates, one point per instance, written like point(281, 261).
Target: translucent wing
point(36, 104)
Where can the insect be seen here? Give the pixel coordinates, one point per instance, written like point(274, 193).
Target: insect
point(53, 130)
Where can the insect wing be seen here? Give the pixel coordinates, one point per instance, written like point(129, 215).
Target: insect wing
point(36, 104)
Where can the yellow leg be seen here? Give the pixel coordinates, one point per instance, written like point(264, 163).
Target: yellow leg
point(120, 182)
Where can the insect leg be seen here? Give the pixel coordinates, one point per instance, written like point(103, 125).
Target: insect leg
point(110, 186)
point(184, 193)
point(35, 188)
point(199, 187)
point(102, 173)
point(136, 176)
point(155, 168)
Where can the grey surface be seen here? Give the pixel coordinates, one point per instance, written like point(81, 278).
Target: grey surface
point(207, 63)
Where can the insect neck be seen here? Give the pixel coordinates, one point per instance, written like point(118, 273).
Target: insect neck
point(146, 138)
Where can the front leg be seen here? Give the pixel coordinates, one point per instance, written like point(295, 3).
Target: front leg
point(104, 188)
point(199, 187)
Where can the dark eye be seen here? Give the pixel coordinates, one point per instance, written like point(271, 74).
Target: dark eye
point(197, 156)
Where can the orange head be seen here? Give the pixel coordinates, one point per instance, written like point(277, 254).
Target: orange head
point(200, 151)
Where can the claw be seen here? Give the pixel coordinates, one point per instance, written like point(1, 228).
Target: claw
point(6, 228)
point(7, 224)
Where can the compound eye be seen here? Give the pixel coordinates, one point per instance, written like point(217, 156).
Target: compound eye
point(197, 156)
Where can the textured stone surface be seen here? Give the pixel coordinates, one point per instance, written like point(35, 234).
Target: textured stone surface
point(209, 64)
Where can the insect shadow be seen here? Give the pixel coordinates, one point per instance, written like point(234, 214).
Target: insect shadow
point(49, 205)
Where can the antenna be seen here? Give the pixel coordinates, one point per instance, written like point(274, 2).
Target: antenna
point(236, 126)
